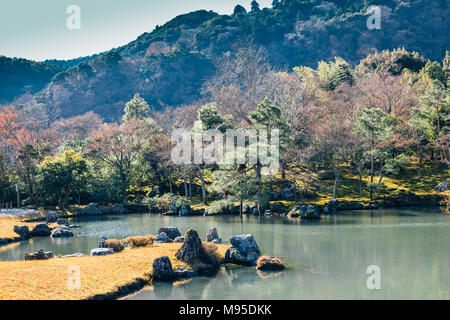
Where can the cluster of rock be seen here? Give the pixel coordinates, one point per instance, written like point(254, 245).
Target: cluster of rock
point(106, 247)
point(94, 209)
point(168, 234)
point(63, 230)
point(40, 255)
point(306, 212)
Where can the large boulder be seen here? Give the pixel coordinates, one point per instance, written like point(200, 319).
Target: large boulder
point(171, 232)
point(162, 269)
point(213, 235)
point(184, 211)
point(62, 231)
point(101, 251)
point(244, 250)
point(162, 238)
point(23, 232)
point(92, 209)
point(52, 217)
point(40, 255)
point(181, 272)
point(297, 211)
point(173, 206)
point(41, 230)
point(192, 247)
point(118, 209)
point(311, 213)
point(443, 186)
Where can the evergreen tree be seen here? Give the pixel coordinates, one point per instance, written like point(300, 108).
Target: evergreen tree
point(255, 6)
point(374, 126)
point(136, 108)
point(239, 9)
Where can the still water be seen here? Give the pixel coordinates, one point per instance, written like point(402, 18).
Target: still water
point(326, 259)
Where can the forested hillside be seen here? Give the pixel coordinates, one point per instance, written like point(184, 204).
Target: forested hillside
point(169, 66)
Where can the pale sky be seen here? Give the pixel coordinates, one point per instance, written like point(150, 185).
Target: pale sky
point(36, 29)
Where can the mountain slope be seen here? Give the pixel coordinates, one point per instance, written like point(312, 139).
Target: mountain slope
point(169, 65)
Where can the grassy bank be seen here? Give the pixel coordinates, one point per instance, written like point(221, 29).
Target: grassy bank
point(7, 224)
point(108, 276)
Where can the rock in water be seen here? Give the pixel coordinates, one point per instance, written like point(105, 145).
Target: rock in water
point(212, 234)
point(269, 264)
point(101, 242)
point(62, 221)
point(162, 238)
point(40, 255)
point(118, 209)
point(52, 217)
point(311, 213)
point(181, 272)
point(184, 211)
point(244, 250)
point(92, 209)
point(171, 232)
point(23, 232)
point(162, 269)
point(192, 247)
point(41, 230)
point(179, 239)
point(62, 232)
point(101, 251)
point(443, 186)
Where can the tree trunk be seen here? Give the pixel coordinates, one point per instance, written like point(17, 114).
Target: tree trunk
point(203, 187)
point(185, 187)
point(295, 189)
point(381, 177)
point(190, 188)
point(360, 180)
point(371, 177)
point(336, 179)
point(283, 173)
point(419, 171)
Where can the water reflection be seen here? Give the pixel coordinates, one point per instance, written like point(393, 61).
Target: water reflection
point(327, 259)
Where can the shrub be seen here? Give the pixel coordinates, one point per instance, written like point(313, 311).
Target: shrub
point(211, 255)
point(224, 206)
point(114, 244)
point(140, 241)
point(183, 202)
point(269, 264)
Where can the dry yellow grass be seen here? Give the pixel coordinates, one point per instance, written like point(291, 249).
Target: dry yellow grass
point(48, 280)
point(7, 226)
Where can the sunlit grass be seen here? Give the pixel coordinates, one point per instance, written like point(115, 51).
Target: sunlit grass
point(48, 279)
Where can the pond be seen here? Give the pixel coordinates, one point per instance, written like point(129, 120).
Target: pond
point(326, 259)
